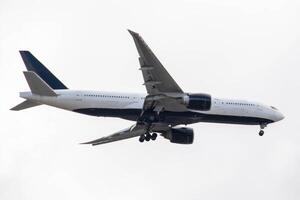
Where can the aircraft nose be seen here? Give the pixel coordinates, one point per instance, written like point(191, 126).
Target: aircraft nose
point(279, 116)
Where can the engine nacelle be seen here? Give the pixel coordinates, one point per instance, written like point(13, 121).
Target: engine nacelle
point(180, 135)
point(197, 101)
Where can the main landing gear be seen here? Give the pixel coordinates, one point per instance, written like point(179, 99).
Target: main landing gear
point(261, 132)
point(148, 137)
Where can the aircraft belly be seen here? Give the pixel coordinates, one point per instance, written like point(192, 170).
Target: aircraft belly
point(173, 118)
point(130, 114)
point(177, 118)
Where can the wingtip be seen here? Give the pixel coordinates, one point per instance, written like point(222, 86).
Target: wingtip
point(132, 32)
point(83, 143)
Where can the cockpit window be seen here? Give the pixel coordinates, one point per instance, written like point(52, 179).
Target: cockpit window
point(273, 108)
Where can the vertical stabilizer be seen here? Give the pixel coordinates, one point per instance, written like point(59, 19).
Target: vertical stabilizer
point(33, 64)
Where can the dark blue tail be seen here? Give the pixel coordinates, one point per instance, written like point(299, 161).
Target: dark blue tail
point(33, 64)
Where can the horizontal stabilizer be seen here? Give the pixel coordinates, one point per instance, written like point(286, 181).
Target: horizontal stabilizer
point(24, 105)
point(37, 85)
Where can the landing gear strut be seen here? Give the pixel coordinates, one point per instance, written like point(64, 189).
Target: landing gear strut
point(261, 132)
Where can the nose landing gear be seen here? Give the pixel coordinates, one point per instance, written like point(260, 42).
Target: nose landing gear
point(261, 132)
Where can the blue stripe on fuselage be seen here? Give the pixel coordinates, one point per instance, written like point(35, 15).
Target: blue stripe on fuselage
point(174, 118)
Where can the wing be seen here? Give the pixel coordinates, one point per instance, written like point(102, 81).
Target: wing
point(133, 131)
point(163, 91)
point(165, 102)
point(163, 94)
point(156, 78)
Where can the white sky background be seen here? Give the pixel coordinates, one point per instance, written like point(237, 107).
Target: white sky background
point(233, 49)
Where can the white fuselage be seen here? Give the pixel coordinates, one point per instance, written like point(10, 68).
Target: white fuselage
point(80, 100)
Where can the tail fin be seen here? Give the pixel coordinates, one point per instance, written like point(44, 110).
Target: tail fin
point(33, 64)
point(38, 85)
point(25, 104)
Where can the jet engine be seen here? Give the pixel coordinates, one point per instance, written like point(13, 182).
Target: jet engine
point(197, 101)
point(180, 135)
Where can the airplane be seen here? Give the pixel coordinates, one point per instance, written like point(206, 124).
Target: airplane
point(159, 112)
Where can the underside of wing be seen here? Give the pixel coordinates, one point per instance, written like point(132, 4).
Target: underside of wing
point(156, 78)
point(133, 131)
point(165, 102)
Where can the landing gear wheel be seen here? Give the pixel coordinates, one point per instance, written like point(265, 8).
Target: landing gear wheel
point(148, 137)
point(153, 136)
point(142, 138)
point(261, 133)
